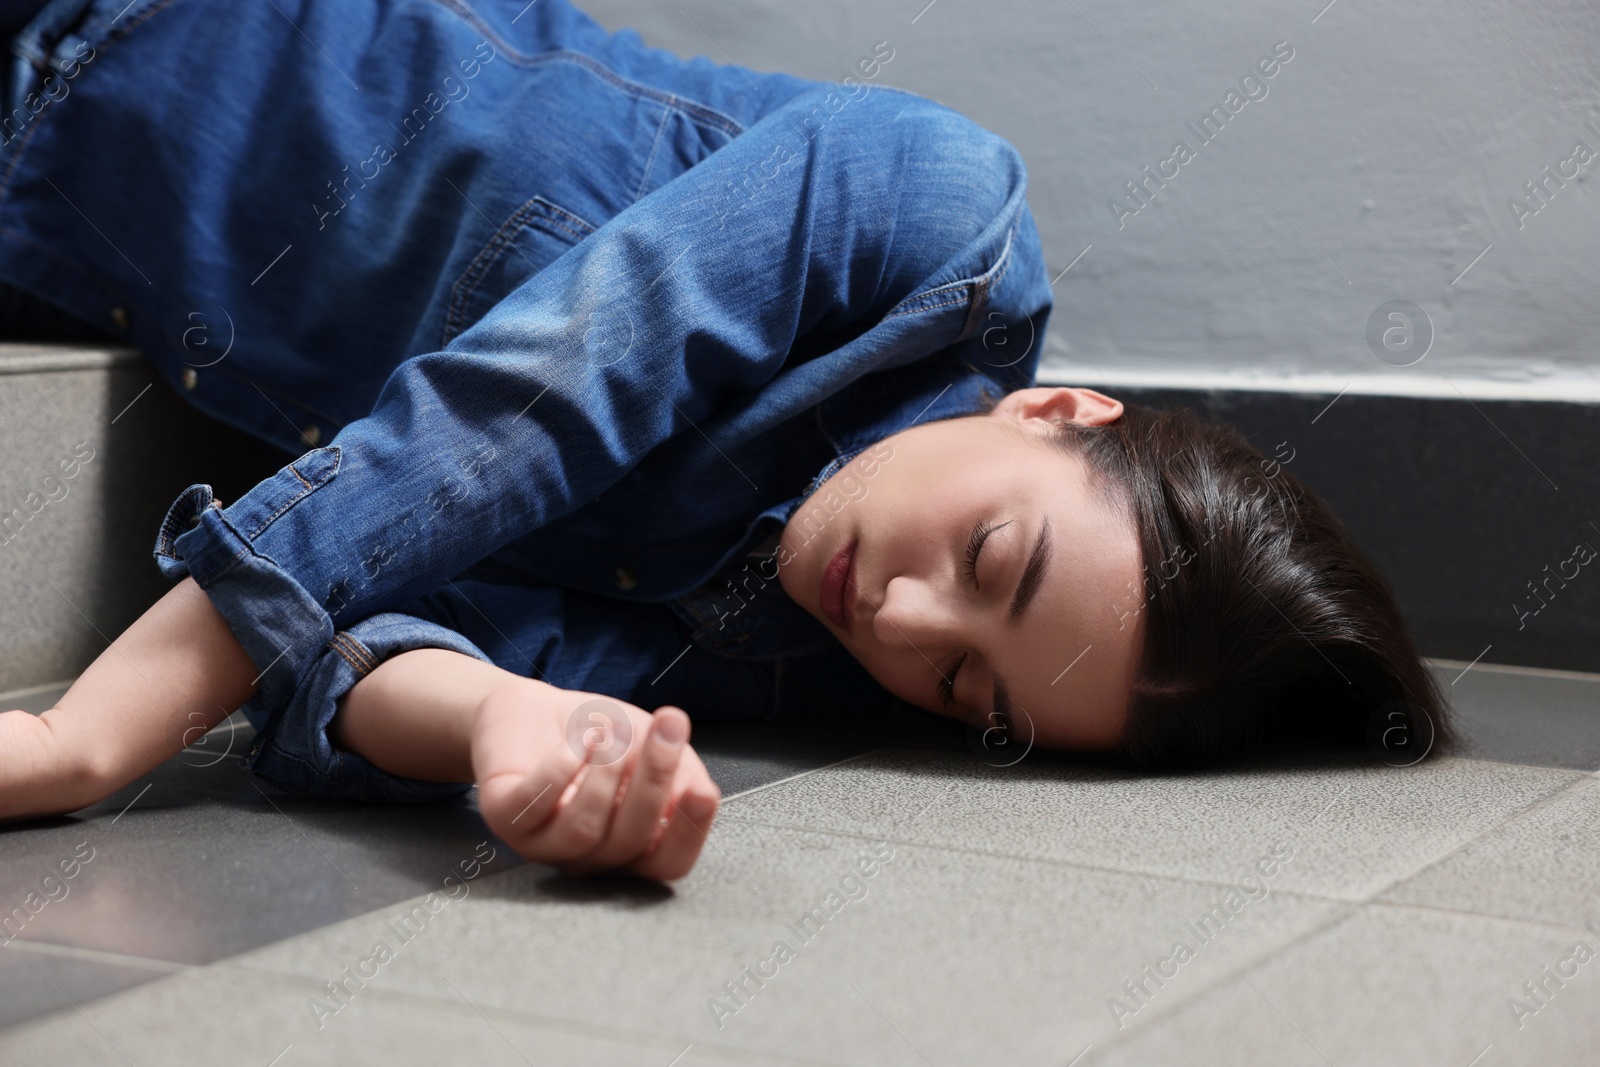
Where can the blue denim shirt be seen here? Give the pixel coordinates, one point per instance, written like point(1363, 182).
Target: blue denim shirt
point(551, 316)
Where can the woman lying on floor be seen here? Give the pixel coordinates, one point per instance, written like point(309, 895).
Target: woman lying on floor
point(628, 382)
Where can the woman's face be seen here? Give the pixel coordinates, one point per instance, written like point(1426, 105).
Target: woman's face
point(1045, 630)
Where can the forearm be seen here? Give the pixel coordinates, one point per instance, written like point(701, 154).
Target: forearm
point(172, 675)
point(412, 716)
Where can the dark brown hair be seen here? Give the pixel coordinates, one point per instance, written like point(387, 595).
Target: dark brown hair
point(1263, 620)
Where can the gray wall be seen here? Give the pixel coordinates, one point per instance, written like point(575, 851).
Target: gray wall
point(1382, 160)
point(95, 449)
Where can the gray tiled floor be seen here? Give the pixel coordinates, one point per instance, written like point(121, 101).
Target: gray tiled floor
point(1387, 985)
point(1020, 915)
point(198, 861)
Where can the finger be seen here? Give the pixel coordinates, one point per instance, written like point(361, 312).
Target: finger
point(580, 825)
point(691, 811)
point(517, 800)
point(637, 821)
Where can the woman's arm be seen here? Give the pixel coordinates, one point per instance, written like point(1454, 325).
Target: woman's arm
point(171, 676)
point(428, 713)
point(573, 779)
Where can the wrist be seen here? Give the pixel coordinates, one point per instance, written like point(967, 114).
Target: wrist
point(415, 714)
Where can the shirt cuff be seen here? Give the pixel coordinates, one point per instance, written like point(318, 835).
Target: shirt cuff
point(279, 624)
point(292, 750)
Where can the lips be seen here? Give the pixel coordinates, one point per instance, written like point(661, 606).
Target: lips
point(838, 595)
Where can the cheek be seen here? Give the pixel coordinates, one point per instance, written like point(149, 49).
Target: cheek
point(906, 675)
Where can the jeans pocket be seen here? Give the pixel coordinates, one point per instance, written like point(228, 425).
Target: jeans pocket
point(533, 237)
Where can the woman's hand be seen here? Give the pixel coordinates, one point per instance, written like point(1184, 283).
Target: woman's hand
point(587, 783)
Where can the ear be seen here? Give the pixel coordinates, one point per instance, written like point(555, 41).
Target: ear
point(1061, 403)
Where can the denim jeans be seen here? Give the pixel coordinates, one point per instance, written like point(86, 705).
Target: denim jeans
point(564, 327)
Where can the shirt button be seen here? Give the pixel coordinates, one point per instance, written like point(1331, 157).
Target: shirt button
point(625, 579)
point(191, 378)
point(311, 434)
point(119, 318)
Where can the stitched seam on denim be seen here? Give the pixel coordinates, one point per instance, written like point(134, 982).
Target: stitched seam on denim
point(355, 653)
point(493, 251)
point(118, 34)
point(362, 652)
point(594, 66)
point(164, 540)
point(338, 646)
point(291, 502)
point(979, 288)
point(913, 302)
point(558, 224)
point(929, 307)
point(655, 146)
point(226, 567)
point(302, 477)
point(114, 35)
point(986, 284)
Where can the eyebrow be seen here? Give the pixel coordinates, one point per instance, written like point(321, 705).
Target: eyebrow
point(1032, 574)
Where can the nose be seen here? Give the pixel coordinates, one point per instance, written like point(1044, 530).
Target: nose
point(912, 615)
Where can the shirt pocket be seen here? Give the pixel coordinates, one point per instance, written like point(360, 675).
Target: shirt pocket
point(533, 237)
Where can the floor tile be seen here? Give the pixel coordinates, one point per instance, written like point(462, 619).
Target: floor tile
point(1390, 985)
point(1355, 827)
point(34, 983)
point(1543, 866)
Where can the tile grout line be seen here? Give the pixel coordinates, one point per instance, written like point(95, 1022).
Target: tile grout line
point(1351, 908)
point(301, 982)
point(1512, 920)
point(1184, 879)
point(1575, 777)
point(1543, 802)
point(1347, 910)
point(1047, 860)
point(399, 997)
point(96, 955)
point(1172, 1008)
point(793, 777)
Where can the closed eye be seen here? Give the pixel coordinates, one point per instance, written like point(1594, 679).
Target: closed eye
point(947, 683)
point(980, 534)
